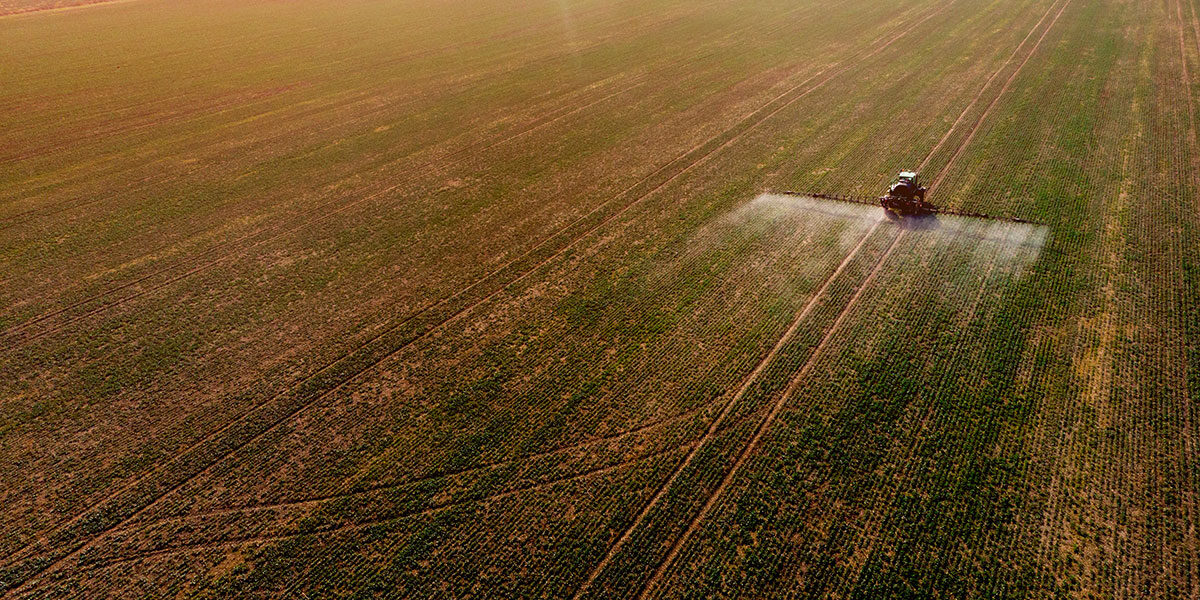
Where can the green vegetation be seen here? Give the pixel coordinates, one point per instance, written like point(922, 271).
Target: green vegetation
point(425, 299)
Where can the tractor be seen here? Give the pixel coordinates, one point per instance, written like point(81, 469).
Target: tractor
point(906, 197)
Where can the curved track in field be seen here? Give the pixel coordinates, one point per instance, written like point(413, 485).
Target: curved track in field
point(133, 499)
point(712, 499)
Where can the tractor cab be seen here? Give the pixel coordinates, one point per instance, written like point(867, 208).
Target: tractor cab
point(907, 185)
point(906, 197)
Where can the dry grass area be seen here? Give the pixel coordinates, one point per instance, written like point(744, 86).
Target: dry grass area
point(412, 298)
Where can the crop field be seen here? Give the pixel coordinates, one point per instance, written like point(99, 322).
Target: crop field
point(506, 299)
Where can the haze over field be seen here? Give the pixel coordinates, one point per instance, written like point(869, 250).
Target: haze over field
point(595, 299)
point(9, 7)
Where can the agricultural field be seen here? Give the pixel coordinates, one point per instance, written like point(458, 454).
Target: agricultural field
point(11, 7)
point(510, 299)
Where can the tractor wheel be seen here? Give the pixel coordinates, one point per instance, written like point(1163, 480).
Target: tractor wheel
point(892, 216)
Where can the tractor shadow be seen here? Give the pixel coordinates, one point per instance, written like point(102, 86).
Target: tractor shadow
point(919, 223)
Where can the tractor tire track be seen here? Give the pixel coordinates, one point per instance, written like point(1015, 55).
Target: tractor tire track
point(682, 164)
point(438, 325)
point(906, 451)
point(986, 85)
point(358, 490)
point(695, 522)
point(21, 573)
point(979, 123)
point(726, 409)
point(661, 491)
point(319, 500)
point(382, 487)
point(769, 420)
point(426, 512)
point(363, 491)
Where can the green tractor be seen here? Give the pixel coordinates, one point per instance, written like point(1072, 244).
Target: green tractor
point(906, 197)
